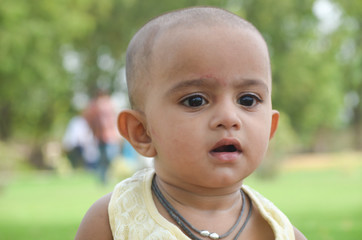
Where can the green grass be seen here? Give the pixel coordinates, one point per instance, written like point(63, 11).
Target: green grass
point(323, 203)
point(46, 206)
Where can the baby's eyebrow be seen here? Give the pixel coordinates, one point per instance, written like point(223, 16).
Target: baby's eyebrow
point(212, 83)
point(252, 83)
point(187, 84)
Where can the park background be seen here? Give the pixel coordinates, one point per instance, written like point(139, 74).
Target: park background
point(55, 54)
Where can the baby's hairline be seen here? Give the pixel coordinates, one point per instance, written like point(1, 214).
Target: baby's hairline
point(142, 44)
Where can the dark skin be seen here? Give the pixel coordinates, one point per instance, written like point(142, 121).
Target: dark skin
point(219, 211)
point(95, 225)
point(256, 228)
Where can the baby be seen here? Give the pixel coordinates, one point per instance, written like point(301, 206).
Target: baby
point(199, 83)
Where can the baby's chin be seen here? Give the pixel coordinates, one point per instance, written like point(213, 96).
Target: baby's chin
point(223, 181)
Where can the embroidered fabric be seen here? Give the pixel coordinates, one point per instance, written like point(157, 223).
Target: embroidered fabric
point(134, 216)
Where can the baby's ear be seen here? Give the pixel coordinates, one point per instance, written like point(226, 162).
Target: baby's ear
point(274, 123)
point(131, 125)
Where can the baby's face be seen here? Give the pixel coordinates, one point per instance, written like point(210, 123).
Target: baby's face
point(208, 105)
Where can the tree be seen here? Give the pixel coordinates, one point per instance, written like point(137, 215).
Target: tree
point(34, 86)
point(306, 79)
point(51, 50)
point(350, 60)
point(35, 89)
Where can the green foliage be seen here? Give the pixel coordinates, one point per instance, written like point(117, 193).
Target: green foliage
point(112, 34)
point(33, 82)
point(350, 59)
point(307, 83)
point(36, 89)
point(52, 50)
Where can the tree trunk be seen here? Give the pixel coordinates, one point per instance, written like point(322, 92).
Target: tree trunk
point(5, 121)
point(357, 126)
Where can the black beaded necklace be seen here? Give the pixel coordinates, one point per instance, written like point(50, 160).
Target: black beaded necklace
point(188, 228)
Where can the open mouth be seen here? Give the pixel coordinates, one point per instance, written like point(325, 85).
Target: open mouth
point(225, 148)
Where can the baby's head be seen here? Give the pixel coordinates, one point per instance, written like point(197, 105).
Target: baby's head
point(141, 50)
point(199, 83)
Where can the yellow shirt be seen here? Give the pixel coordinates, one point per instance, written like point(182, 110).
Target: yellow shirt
point(133, 214)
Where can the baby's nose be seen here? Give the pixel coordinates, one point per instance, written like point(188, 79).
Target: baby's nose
point(226, 116)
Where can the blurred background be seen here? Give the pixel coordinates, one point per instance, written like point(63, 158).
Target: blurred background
point(57, 58)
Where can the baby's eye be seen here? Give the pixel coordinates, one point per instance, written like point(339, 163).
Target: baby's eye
point(249, 100)
point(194, 101)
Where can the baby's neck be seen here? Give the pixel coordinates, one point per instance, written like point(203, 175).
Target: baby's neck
point(218, 212)
point(201, 199)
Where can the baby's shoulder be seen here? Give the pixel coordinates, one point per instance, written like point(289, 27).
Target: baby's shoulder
point(95, 224)
point(267, 217)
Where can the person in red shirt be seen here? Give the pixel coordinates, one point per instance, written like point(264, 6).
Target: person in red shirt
point(102, 118)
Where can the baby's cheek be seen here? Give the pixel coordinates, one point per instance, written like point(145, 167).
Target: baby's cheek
point(153, 133)
point(161, 137)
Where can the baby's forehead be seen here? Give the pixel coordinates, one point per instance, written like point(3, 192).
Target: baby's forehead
point(175, 33)
point(199, 16)
point(181, 35)
point(142, 47)
point(182, 20)
point(191, 20)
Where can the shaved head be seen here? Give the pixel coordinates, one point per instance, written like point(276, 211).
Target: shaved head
point(140, 49)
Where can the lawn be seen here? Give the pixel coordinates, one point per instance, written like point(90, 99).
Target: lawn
point(324, 203)
point(46, 206)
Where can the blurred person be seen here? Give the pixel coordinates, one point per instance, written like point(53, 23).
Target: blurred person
point(79, 143)
point(130, 156)
point(199, 82)
point(101, 117)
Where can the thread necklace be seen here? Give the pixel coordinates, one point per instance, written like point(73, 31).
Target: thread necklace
point(188, 228)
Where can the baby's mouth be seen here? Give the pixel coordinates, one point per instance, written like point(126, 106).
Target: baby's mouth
point(225, 148)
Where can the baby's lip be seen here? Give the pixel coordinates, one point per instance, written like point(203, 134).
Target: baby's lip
point(227, 145)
